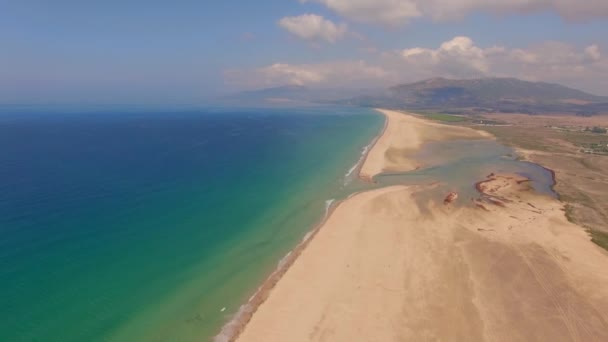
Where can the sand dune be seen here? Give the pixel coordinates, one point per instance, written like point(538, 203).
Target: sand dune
point(382, 269)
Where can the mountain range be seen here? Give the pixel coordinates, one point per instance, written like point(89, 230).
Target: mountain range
point(451, 95)
point(487, 95)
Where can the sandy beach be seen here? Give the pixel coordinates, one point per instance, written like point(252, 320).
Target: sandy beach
point(386, 267)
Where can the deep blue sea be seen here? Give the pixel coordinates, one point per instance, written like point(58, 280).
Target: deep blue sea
point(157, 226)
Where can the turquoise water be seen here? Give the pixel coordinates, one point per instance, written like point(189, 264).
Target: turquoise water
point(158, 226)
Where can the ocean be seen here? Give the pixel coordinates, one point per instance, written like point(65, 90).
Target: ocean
point(157, 226)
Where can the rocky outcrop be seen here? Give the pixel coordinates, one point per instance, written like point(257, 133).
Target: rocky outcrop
point(497, 189)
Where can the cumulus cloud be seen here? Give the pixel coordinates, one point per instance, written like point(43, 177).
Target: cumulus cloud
point(571, 10)
point(390, 12)
point(593, 52)
point(397, 12)
point(460, 57)
point(332, 74)
point(313, 27)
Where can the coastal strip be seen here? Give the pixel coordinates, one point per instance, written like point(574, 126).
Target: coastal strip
point(232, 330)
point(363, 175)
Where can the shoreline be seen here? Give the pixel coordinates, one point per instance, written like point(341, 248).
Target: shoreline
point(524, 155)
point(231, 331)
point(371, 147)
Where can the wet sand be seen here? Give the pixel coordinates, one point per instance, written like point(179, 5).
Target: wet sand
point(386, 267)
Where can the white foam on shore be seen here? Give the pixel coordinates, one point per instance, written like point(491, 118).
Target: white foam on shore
point(283, 261)
point(352, 169)
point(348, 176)
point(328, 204)
point(229, 330)
point(307, 236)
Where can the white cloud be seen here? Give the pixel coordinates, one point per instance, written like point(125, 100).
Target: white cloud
point(332, 74)
point(523, 56)
point(397, 12)
point(460, 57)
point(313, 27)
point(569, 9)
point(389, 12)
point(593, 52)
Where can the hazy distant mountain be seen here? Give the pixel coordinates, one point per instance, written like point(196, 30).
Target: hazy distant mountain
point(287, 92)
point(488, 94)
point(489, 90)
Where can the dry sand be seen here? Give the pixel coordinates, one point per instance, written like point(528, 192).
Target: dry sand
point(383, 269)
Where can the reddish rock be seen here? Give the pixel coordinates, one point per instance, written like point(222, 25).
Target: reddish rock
point(450, 198)
point(481, 206)
point(495, 202)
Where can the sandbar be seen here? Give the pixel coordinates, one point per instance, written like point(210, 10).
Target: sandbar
point(402, 136)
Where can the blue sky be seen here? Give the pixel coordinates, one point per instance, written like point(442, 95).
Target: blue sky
point(182, 52)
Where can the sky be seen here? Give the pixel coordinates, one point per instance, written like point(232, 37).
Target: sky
point(184, 52)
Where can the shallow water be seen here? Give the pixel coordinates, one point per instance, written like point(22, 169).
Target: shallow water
point(458, 165)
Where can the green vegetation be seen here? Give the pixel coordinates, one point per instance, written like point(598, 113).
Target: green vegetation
point(522, 138)
point(600, 238)
point(488, 122)
point(596, 130)
point(595, 148)
point(570, 213)
point(444, 117)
